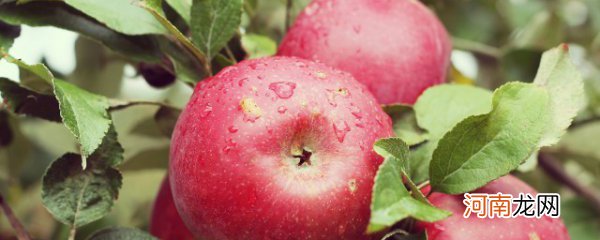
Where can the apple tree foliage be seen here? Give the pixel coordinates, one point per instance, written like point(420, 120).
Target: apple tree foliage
point(456, 138)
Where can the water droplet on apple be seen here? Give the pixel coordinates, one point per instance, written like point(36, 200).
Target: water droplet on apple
point(284, 90)
point(206, 110)
point(281, 109)
point(252, 65)
point(378, 119)
point(232, 129)
point(359, 123)
point(355, 111)
point(357, 29)
point(229, 144)
point(242, 81)
point(300, 64)
point(341, 128)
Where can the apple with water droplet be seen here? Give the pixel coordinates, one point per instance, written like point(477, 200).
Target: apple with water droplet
point(277, 148)
point(520, 228)
point(397, 48)
point(165, 222)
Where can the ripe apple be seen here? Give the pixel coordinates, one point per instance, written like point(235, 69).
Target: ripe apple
point(165, 222)
point(458, 227)
point(277, 148)
point(397, 48)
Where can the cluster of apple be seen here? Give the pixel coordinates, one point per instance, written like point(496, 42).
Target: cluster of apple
point(281, 147)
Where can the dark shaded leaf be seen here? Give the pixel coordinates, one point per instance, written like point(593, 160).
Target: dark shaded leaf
point(8, 33)
point(20, 100)
point(75, 196)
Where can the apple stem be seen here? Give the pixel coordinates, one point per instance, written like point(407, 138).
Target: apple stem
point(304, 158)
point(553, 169)
point(14, 221)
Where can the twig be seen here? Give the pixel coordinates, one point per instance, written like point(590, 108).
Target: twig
point(477, 48)
point(14, 221)
point(288, 14)
point(116, 104)
point(423, 184)
point(583, 122)
point(230, 54)
point(553, 169)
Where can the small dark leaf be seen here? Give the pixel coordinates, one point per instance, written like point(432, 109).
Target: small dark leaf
point(75, 196)
point(166, 118)
point(8, 33)
point(157, 75)
point(6, 134)
point(120, 233)
point(24, 101)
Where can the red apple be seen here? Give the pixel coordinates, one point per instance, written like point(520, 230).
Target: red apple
point(277, 148)
point(397, 48)
point(520, 228)
point(165, 222)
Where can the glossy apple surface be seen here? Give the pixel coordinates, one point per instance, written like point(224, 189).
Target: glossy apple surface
point(165, 222)
point(397, 48)
point(277, 148)
point(457, 227)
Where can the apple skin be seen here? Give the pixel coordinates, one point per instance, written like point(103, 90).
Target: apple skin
point(457, 227)
point(232, 165)
point(165, 222)
point(397, 48)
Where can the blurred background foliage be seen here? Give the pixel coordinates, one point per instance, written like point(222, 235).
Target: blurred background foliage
point(495, 41)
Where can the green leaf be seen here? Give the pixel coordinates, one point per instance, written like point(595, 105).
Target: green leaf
point(484, 147)
point(582, 223)
point(21, 100)
point(405, 124)
point(183, 8)
point(34, 76)
point(544, 31)
point(441, 107)
point(61, 15)
point(564, 83)
point(257, 46)
point(84, 114)
point(524, 118)
point(182, 39)
point(75, 196)
point(213, 23)
point(120, 233)
point(120, 15)
point(110, 151)
point(437, 111)
point(8, 33)
point(391, 200)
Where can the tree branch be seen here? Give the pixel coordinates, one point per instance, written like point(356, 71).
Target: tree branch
point(14, 221)
point(553, 169)
point(583, 122)
point(117, 104)
point(476, 48)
